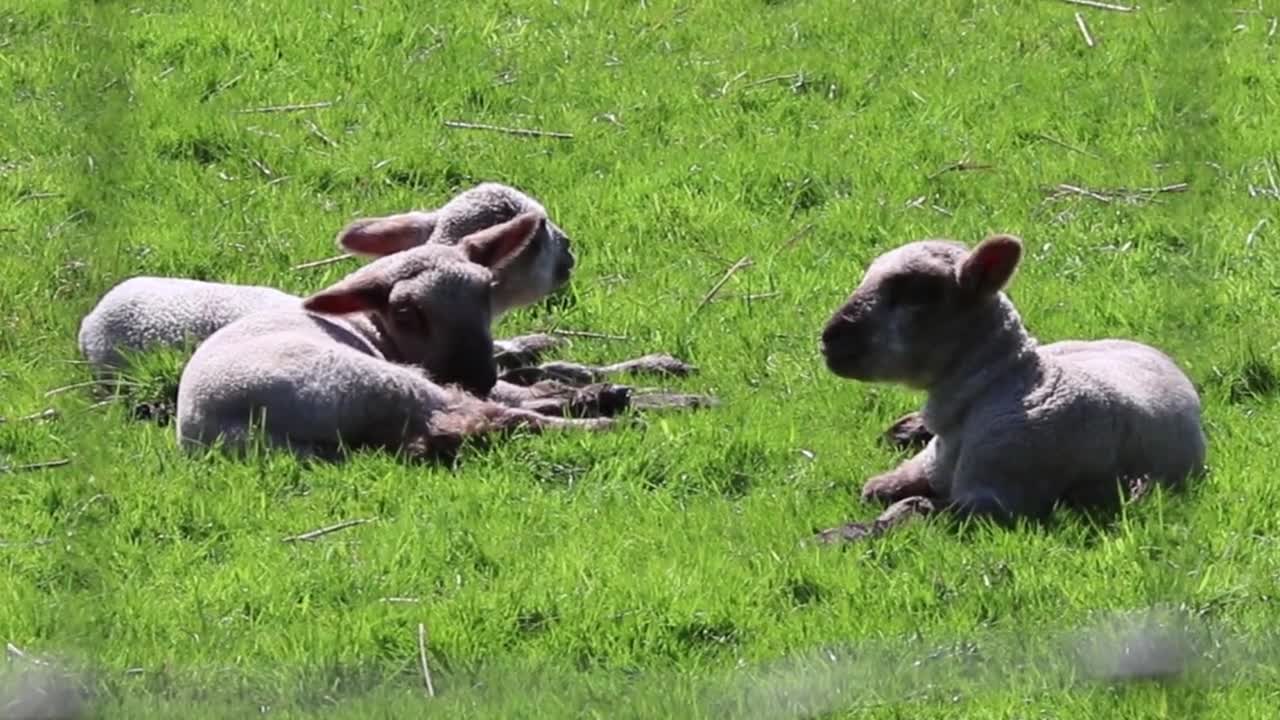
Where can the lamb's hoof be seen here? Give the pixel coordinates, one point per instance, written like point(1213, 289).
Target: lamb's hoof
point(568, 372)
point(598, 424)
point(660, 400)
point(894, 515)
point(524, 349)
point(524, 376)
point(657, 364)
point(904, 509)
point(908, 432)
point(159, 412)
point(601, 400)
point(849, 532)
point(888, 488)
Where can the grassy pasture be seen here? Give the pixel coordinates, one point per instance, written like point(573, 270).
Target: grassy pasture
point(657, 571)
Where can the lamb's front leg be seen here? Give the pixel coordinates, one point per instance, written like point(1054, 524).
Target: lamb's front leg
point(580, 374)
point(910, 479)
point(896, 514)
point(908, 432)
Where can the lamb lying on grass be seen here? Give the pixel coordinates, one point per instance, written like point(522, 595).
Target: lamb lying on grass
point(1018, 427)
point(149, 313)
point(349, 368)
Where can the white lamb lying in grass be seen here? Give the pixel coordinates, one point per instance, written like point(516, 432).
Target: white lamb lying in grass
point(349, 368)
point(1018, 427)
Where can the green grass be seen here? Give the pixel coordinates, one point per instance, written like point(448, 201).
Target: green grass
point(657, 571)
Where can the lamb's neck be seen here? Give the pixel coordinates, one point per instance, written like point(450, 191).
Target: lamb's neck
point(1006, 351)
point(371, 329)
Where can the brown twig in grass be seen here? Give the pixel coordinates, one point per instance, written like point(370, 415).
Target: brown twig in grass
point(31, 467)
point(1101, 5)
point(65, 222)
point(772, 79)
point(797, 236)
point(724, 89)
point(524, 132)
point(262, 167)
point(960, 166)
point(226, 85)
point(1253, 234)
point(255, 190)
point(1135, 196)
point(27, 197)
point(1073, 148)
point(287, 108)
point(586, 334)
point(1272, 191)
point(321, 532)
point(674, 15)
point(422, 659)
point(743, 262)
point(749, 297)
point(322, 263)
point(1084, 30)
point(47, 414)
point(919, 202)
point(88, 383)
point(315, 130)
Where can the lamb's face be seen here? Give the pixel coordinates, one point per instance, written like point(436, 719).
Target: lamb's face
point(905, 318)
point(439, 319)
point(541, 268)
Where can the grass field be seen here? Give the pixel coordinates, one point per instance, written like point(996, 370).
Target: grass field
point(657, 571)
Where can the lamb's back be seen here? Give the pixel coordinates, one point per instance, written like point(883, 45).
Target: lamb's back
point(1141, 405)
point(144, 313)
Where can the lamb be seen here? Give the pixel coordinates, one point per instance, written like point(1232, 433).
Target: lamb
point(533, 276)
point(1017, 427)
point(145, 313)
point(349, 367)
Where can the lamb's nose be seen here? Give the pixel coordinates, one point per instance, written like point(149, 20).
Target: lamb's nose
point(829, 334)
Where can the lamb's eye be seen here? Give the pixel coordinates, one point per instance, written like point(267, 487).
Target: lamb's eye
point(915, 290)
point(408, 317)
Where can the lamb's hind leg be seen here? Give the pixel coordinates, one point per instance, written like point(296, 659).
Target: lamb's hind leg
point(479, 421)
point(557, 399)
point(908, 432)
point(523, 350)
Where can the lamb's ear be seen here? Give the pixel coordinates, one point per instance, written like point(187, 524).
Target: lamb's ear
point(358, 292)
point(497, 245)
point(986, 270)
point(376, 237)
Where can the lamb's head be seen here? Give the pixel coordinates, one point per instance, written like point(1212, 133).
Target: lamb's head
point(432, 304)
point(543, 266)
point(919, 308)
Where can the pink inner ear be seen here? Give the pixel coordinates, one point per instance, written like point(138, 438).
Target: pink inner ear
point(335, 303)
point(494, 246)
point(993, 259)
point(383, 236)
point(363, 295)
